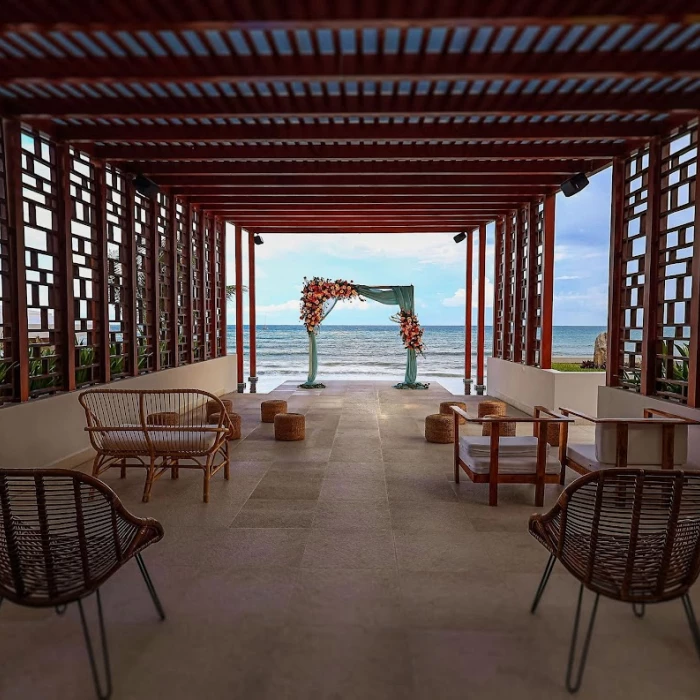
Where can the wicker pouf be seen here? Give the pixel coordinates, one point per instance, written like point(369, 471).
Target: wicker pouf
point(504, 429)
point(269, 409)
point(492, 408)
point(447, 411)
point(290, 427)
point(163, 418)
point(213, 407)
point(439, 428)
point(235, 432)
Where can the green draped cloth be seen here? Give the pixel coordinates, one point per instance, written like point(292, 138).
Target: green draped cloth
point(398, 296)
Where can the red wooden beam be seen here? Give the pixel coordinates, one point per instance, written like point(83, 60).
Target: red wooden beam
point(189, 315)
point(356, 201)
point(547, 282)
point(111, 15)
point(468, 303)
point(355, 67)
point(174, 282)
point(222, 296)
point(239, 307)
point(531, 308)
point(104, 351)
point(357, 229)
point(18, 279)
point(159, 170)
point(154, 271)
point(694, 363)
point(252, 328)
point(615, 288)
point(349, 106)
point(508, 288)
point(361, 152)
point(130, 235)
point(518, 296)
point(481, 317)
point(651, 271)
point(202, 286)
point(497, 311)
point(327, 133)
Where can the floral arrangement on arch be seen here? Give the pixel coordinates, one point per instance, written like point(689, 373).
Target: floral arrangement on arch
point(411, 331)
point(316, 292)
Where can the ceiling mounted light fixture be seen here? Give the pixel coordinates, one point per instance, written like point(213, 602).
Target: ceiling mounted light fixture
point(574, 184)
point(257, 239)
point(460, 237)
point(145, 186)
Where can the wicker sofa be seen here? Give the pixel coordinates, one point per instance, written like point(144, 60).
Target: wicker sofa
point(158, 430)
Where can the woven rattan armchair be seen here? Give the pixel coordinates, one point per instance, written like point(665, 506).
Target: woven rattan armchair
point(62, 535)
point(159, 431)
point(632, 535)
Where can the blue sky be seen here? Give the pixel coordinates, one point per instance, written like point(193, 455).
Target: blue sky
point(435, 265)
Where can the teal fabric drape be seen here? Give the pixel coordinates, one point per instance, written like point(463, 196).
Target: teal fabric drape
point(310, 382)
point(396, 295)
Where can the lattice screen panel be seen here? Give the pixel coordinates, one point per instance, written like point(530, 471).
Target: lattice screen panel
point(209, 288)
point(510, 313)
point(43, 268)
point(221, 330)
point(86, 256)
point(196, 287)
point(499, 309)
point(679, 158)
point(143, 241)
point(634, 241)
point(537, 233)
point(7, 348)
point(522, 262)
point(184, 299)
point(118, 273)
point(165, 262)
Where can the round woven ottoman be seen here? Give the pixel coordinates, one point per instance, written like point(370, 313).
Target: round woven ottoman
point(491, 408)
point(163, 418)
point(290, 427)
point(447, 411)
point(504, 429)
point(439, 428)
point(235, 431)
point(269, 409)
point(213, 407)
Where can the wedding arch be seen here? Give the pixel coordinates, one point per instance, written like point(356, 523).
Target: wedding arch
point(318, 298)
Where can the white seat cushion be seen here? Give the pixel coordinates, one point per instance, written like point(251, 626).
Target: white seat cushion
point(644, 443)
point(516, 455)
point(164, 442)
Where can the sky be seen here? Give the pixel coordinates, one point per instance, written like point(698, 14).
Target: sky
point(435, 265)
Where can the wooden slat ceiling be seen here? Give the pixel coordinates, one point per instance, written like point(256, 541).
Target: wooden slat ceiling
point(358, 116)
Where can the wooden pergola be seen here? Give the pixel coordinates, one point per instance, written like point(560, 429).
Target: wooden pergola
point(282, 117)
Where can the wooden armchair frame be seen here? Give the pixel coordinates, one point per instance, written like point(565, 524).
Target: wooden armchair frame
point(668, 422)
point(136, 442)
point(494, 478)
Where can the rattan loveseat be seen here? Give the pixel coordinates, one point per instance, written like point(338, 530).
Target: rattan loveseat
point(156, 430)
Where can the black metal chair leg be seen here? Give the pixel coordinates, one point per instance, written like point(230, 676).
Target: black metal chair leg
point(639, 609)
point(150, 586)
point(543, 582)
point(107, 693)
point(573, 687)
point(692, 621)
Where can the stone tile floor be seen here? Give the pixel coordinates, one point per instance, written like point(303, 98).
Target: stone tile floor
point(345, 566)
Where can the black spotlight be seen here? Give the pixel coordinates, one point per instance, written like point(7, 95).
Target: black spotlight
point(257, 239)
point(574, 185)
point(460, 237)
point(146, 187)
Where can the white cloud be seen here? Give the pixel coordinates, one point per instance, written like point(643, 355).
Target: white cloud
point(568, 277)
point(460, 296)
point(291, 305)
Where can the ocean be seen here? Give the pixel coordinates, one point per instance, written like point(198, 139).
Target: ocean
point(376, 351)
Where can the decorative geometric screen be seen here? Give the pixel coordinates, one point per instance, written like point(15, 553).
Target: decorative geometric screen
point(184, 329)
point(679, 159)
point(509, 248)
point(499, 309)
point(166, 260)
point(221, 330)
point(209, 287)
point(86, 256)
point(634, 241)
point(143, 241)
point(7, 346)
point(522, 279)
point(43, 265)
point(536, 279)
point(196, 290)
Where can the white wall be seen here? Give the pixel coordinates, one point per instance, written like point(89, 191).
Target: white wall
point(526, 387)
point(614, 402)
point(49, 432)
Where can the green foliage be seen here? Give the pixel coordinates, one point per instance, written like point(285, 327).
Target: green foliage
point(679, 368)
point(86, 359)
point(117, 362)
point(573, 367)
point(5, 368)
point(45, 363)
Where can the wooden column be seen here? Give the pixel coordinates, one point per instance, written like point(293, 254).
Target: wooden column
point(220, 227)
point(651, 270)
point(189, 315)
point(154, 272)
point(213, 287)
point(104, 351)
point(547, 308)
point(67, 295)
point(518, 291)
point(18, 279)
point(130, 234)
point(239, 306)
point(251, 313)
point(468, 314)
point(202, 285)
point(531, 307)
point(617, 229)
point(174, 305)
point(481, 318)
point(507, 288)
point(694, 364)
point(497, 318)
